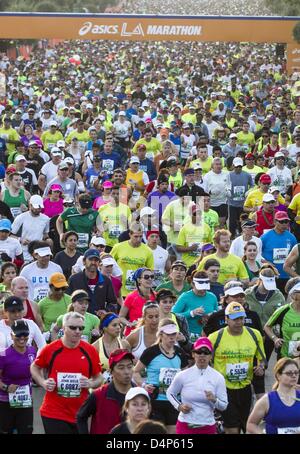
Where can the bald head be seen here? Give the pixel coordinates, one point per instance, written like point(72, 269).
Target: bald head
point(19, 287)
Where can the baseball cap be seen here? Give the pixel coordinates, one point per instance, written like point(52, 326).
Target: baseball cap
point(60, 143)
point(185, 126)
point(20, 157)
point(169, 329)
point(179, 263)
point(80, 296)
point(273, 189)
point(5, 224)
point(134, 160)
point(63, 165)
point(108, 261)
point(117, 355)
point(146, 211)
point(189, 172)
point(197, 166)
point(237, 162)
point(165, 293)
point(33, 143)
point(13, 303)
point(97, 240)
point(268, 198)
point(279, 154)
point(202, 342)
point(107, 184)
point(232, 291)
point(20, 328)
point(249, 156)
point(53, 123)
point(265, 179)
point(36, 201)
point(233, 136)
point(281, 216)
point(268, 282)
point(43, 251)
point(235, 310)
point(58, 280)
point(90, 253)
point(249, 223)
point(69, 160)
point(56, 187)
point(122, 114)
point(136, 391)
point(55, 151)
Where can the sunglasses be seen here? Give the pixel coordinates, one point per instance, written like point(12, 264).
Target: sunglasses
point(284, 221)
point(148, 276)
point(202, 351)
point(24, 334)
point(292, 373)
point(61, 289)
point(74, 328)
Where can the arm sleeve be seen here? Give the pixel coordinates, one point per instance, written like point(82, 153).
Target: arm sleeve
point(273, 319)
point(174, 390)
point(87, 409)
point(221, 395)
point(17, 224)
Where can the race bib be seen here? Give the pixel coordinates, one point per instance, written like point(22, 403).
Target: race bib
point(50, 146)
point(288, 430)
point(237, 372)
point(197, 251)
point(68, 385)
point(238, 193)
point(85, 338)
point(294, 348)
point(21, 398)
point(158, 278)
point(15, 211)
point(184, 154)
point(83, 240)
point(150, 155)
point(106, 376)
point(129, 283)
point(166, 376)
point(108, 165)
point(114, 231)
point(40, 293)
point(280, 255)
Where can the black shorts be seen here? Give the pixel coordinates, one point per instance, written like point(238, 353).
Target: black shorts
point(59, 427)
point(19, 419)
point(164, 412)
point(259, 384)
point(222, 210)
point(239, 406)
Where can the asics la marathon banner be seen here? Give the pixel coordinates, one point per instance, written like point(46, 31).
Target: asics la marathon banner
point(153, 28)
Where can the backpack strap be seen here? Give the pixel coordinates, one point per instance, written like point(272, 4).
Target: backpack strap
point(252, 334)
point(217, 343)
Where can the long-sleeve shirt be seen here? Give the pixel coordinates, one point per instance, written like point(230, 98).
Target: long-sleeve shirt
point(190, 385)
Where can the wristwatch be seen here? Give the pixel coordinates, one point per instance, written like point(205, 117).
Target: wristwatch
point(273, 337)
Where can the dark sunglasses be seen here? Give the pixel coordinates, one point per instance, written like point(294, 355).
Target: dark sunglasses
point(148, 276)
point(74, 328)
point(61, 289)
point(284, 221)
point(202, 351)
point(23, 334)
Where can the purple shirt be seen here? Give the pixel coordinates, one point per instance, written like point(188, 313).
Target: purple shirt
point(15, 368)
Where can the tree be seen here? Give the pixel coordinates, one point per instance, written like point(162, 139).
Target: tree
point(46, 7)
point(296, 32)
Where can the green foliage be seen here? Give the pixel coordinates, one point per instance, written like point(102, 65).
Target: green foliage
point(46, 7)
point(66, 6)
point(296, 32)
point(287, 8)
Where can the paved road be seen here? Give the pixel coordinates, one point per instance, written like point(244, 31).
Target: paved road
point(38, 394)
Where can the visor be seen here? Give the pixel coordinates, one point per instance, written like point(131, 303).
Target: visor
point(201, 284)
point(169, 329)
point(234, 291)
point(43, 251)
point(268, 282)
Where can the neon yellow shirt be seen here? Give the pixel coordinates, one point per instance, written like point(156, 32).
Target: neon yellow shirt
point(205, 165)
point(255, 199)
point(115, 221)
point(190, 234)
point(153, 146)
point(49, 140)
point(231, 268)
point(174, 213)
point(295, 205)
point(9, 134)
point(245, 139)
point(189, 118)
point(81, 136)
point(129, 260)
point(234, 357)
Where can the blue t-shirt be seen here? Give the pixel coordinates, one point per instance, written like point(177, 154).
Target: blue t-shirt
point(188, 301)
point(276, 247)
point(111, 161)
point(91, 176)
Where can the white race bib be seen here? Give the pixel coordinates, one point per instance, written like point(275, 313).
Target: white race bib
point(15, 211)
point(294, 348)
point(21, 398)
point(114, 231)
point(130, 284)
point(238, 193)
point(108, 165)
point(166, 376)
point(68, 385)
point(83, 240)
point(150, 155)
point(40, 293)
point(288, 431)
point(107, 376)
point(280, 255)
point(237, 372)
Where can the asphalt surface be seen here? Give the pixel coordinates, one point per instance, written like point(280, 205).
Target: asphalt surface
point(38, 394)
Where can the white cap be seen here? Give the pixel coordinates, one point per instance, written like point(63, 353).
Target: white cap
point(237, 162)
point(273, 189)
point(108, 261)
point(268, 198)
point(201, 283)
point(101, 117)
point(185, 126)
point(279, 154)
point(36, 201)
point(55, 151)
point(97, 240)
point(268, 282)
point(20, 157)
point(43, 251)
point(232, 136)
point(134, 159)
point(69, 160)
point(122, 114)
point(60, 143)
point(89, 106)
point(146, 211)
point(234, 291)
point(137, 391)
point(53, 123)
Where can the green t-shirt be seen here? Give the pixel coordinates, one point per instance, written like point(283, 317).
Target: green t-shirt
point(211, 218)
point(91, 322)
point(169, 285)
point(82, 224)
point(51, 310)
point(289, 321)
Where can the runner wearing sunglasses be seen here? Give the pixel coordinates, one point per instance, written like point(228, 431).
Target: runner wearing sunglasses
point(201, 389)
point(72, 367)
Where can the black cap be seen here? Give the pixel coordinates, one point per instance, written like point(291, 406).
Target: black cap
point(80, 296)
point(20, 328)
point(249, 223)
point(165, 293)
point(13, 303)
point(179, 263)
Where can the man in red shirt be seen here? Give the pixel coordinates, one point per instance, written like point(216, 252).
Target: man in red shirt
point(72, 367)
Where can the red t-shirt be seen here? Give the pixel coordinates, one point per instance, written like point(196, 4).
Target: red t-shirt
point(83, 360)
point(135, 302)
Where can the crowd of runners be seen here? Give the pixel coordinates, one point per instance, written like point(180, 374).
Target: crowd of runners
point(149, 238)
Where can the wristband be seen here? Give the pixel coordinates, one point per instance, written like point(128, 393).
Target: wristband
point(273, 337)
point(5, 388)
point(192, 314)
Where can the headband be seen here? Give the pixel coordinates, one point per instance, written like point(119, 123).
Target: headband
point(104, 323)
point(296, 288)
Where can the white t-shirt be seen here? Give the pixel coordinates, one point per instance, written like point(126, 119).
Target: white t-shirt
point(49, 170)
point(122, 129)
point(35, 335)
point(33, 228)
point(160, 256)
point(79, 266)
point(293, 150)
point(216, 184)
point(281, 178)
point(38, 279)
point(12, 247)
point(237, 246)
